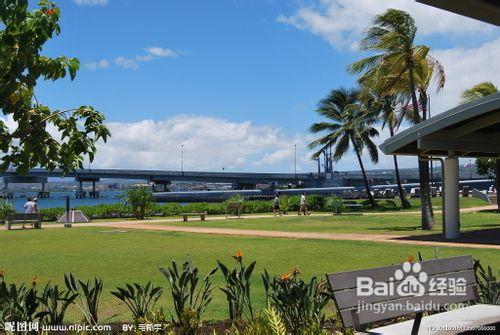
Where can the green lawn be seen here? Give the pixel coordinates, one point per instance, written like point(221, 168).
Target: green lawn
point(400, 223)
point(134, 256)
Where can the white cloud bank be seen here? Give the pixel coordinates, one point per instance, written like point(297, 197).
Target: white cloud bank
point(209, 144)
point(464, 68)
point(342, 22)
point(151, 53)
point(91, 2)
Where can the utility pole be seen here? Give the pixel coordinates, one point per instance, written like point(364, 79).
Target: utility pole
point(295, 161)
point(182, 158)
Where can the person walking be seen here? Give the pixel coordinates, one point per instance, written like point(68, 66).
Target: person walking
point(276, 205)
point(303, 205)
point(29, 207)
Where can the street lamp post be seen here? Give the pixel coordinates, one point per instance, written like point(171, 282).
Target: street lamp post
point(295, 160)
point(182, 158)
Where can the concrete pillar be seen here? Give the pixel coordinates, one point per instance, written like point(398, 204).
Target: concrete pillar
point(451, 199)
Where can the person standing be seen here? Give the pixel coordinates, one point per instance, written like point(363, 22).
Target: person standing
point(276, 205)
point(29, 207)
point(303, 205)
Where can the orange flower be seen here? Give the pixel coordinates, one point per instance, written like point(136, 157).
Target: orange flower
point(239, 255)
point(2, 273)
point(285, 276)
point(51, 11)
point(34, 281)
point(411, 259)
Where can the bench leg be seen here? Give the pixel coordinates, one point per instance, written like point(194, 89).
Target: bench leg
point(416, 324)
point(7, 225)
point(184, 218)
point(202, 217)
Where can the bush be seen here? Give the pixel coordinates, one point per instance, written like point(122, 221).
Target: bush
point(299, 303)
point(190, 299)
point(140, 200)
point(336, 204)
point(6, 208)
point(237, 290)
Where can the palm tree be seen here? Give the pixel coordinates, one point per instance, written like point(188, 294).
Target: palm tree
point(475, 92)
point(350, 127)
point(393, 36)
point(478, 91)
point(385, 109)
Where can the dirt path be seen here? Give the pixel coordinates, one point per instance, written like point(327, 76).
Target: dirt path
point(382, 238)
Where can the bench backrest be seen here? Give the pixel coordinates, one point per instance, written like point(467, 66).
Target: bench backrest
point(24, 216)
point(234, 205)
point(377, 294)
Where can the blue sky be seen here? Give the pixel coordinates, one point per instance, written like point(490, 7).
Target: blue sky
point(235, 81)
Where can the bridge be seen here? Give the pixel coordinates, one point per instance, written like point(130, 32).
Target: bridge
point(240, 180)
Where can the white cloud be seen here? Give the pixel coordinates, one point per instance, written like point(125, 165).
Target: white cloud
point(464, 68)
point(102, 64)
point(151, 53)
point(342, 22)
point(126, 63)
point(91, 2)
point(209, 144)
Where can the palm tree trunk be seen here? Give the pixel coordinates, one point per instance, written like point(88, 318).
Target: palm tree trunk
point(404, 202)
point(365, 179)
point(423, 168)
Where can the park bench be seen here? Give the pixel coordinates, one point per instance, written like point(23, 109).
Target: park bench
point(234, 208)
point(202, 215)
point(353, 207)
point(364, 297)
point(34, 219)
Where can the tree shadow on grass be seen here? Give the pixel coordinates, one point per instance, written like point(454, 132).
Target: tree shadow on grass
point(484, 236)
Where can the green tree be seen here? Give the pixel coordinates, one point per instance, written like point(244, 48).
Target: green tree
point(385, 108)
point(22, 37)
point(479, 91)
point(485, 166)
point(140, 199)
point(396, 61)
point(350, 127)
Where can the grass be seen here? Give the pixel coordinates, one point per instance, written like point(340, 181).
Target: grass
point(134, 256)
point(400, 223)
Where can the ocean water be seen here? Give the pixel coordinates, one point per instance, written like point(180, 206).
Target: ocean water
point(58, 199)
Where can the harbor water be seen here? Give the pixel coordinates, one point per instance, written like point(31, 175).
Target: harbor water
point(58, 199)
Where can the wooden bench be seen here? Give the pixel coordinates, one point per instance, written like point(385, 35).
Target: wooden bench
point(34, 219)
point(185, 216)
point(234, 208)
point(353, 207)
point(364, 297)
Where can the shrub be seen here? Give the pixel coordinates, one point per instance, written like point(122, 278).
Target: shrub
point(51, 214)
point(18, 303)
point(488, 285)
point(89, 296)
point(139, 299)
point(140, 200)
point(55, 302)
point(6, 208)
point(190, 300)
point(237, 290)
point(336, 204)
point(299, 303)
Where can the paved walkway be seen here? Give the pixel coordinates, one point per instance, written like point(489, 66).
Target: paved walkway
point(382, 238)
